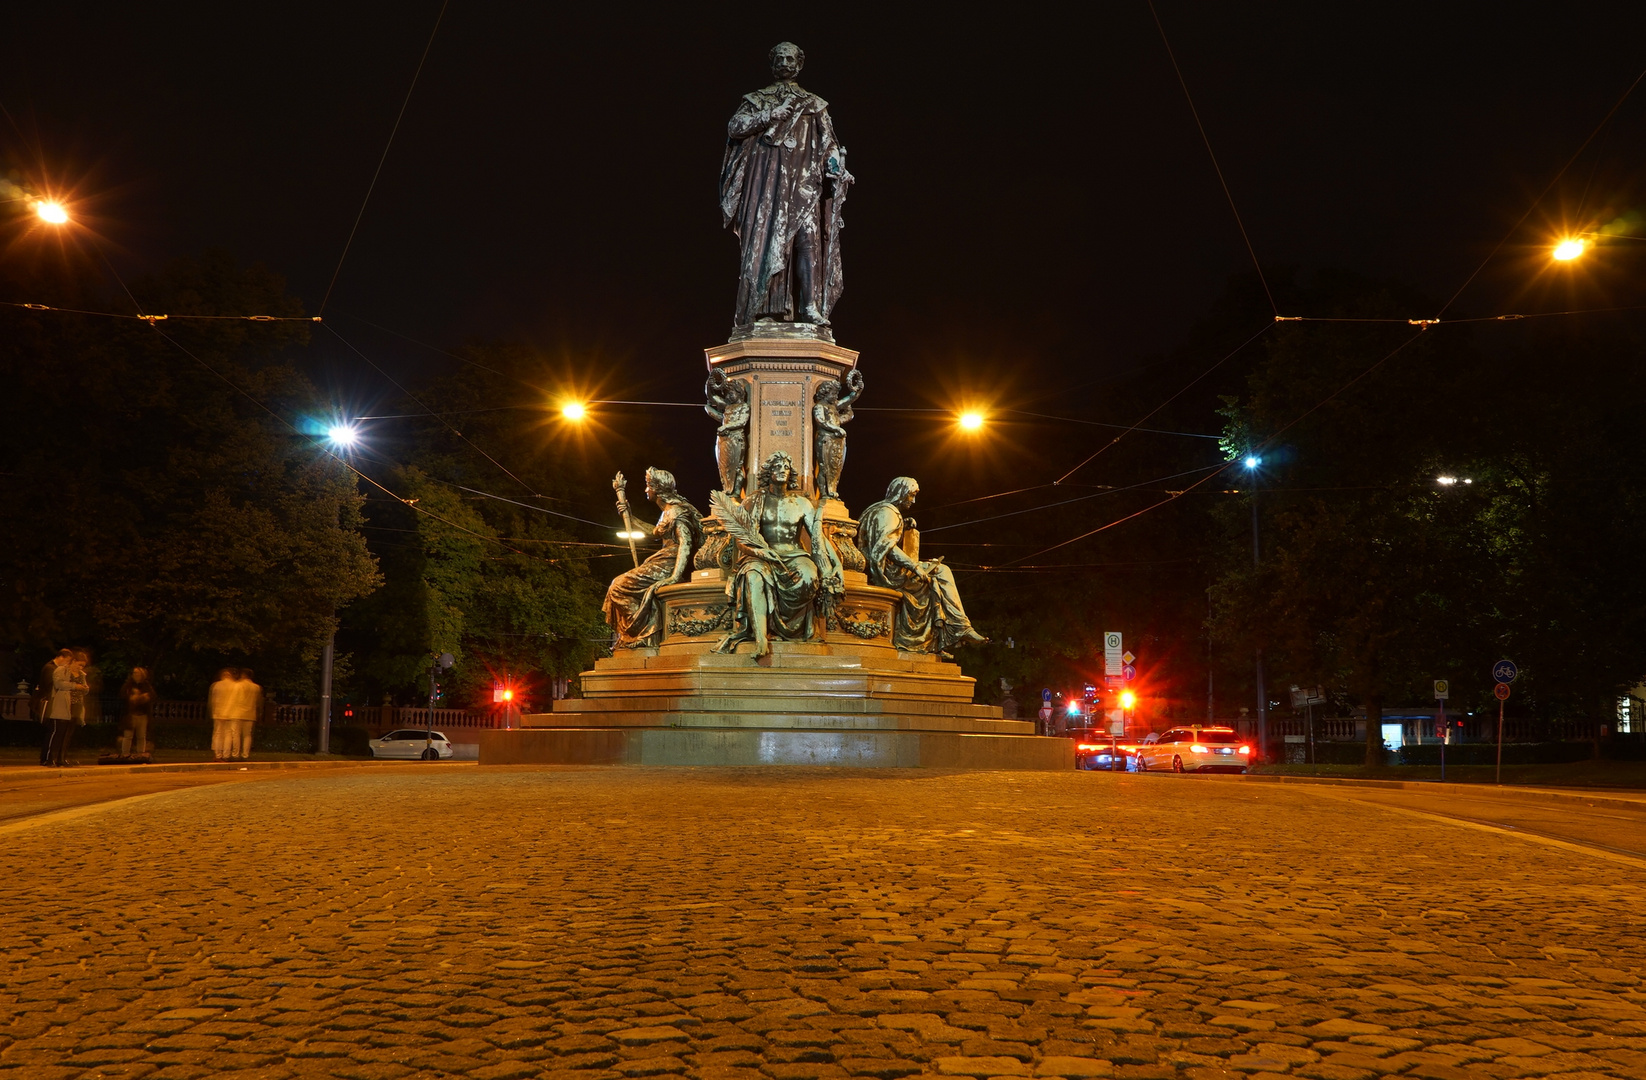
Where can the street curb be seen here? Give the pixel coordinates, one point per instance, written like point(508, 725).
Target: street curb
point(1527, 794)
point(37, 774)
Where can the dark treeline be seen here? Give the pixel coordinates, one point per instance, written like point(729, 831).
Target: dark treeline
point(1375, 576)
point(163, 512)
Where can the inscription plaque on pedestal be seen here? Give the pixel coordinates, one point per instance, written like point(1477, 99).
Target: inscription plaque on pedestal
point(783, 376)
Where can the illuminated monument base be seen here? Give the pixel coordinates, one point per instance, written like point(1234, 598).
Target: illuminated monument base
point(849, 697)
point(853, 701)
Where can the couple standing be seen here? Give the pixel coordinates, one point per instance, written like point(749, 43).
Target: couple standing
point(235, 703)
point(63, 687)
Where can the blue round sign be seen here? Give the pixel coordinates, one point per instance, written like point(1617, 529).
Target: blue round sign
point(1504, 671)
point(1046, 695)
point(1128, 672)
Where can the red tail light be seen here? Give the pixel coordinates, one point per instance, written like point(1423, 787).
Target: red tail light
point(1245, 749)
point(1197, 749)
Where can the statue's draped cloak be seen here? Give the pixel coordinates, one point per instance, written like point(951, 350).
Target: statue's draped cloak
point(771, 187)
point(879, 530)
point(931, 617)
point(632, 607)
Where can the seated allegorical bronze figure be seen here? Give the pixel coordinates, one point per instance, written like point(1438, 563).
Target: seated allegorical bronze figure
point(778, 587)
point(633, 609)
point(930, 618)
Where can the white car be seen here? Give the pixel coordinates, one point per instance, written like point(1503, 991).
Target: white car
point(411, 743)
point(1195, 748)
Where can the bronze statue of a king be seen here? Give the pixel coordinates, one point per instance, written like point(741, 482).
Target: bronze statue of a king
point(782, 185)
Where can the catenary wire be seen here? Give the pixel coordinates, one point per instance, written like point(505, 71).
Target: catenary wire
point(157, 318)
point(1542, 194)
point(1066, 502)
point(1173, 497)
point(379, 170)
point(1185, 389)
point(415, 398)
point(347, 465)
point(1209, 153)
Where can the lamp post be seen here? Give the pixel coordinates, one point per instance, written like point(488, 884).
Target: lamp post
point(325, 693)
point(1252, 462)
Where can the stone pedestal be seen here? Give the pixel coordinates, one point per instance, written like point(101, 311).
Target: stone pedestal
point(783, 375)
point(850, 704)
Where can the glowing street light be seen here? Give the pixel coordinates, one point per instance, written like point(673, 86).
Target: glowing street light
point(971, 421)
point(343, 435)
point(636, 535)
point(1127, 700)
point(1569, 249)
point(1252, 461)
point(51, 213)
point(573, 410)
point(1448, 481)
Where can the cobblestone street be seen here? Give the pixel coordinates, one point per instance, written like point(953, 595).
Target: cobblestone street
point(804, 925)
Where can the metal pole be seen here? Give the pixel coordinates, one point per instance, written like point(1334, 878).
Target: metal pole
point(1311, 711)
point(1262, 695)
point(325, 694)
point(1211, 714)
point(1499, 780)
point(434, 666)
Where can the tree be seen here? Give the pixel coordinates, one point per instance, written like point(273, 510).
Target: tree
point(175, 519)
point(498, 581)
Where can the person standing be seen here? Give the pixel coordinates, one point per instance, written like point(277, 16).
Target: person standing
point(68, 704)
point(137, 701)
point(248, 707)
point(42, 700)
point(219, 702)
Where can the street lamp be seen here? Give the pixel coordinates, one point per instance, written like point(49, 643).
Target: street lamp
point(1569, 249)
point(1252, 462)
point(573, 411)
point(52, 213)
point(971, 421)
point(343, 436)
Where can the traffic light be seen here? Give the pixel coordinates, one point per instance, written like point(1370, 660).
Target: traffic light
point(1089, 694)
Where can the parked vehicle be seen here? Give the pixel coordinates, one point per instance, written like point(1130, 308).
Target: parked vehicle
point(1195, 748)
point(413, 743)
point(1093, 751)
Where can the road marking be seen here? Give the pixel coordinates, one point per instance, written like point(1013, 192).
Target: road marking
point(74, 812)
point(1600, 851)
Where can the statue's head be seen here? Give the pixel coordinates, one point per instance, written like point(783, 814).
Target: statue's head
point(787, 60)
point(828, 391)
point(901, 492)
point(737, 390)
point(778, 473)
point(659, 482)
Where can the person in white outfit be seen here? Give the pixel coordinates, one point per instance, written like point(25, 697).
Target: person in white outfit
point(248, 707)
point(220, 702)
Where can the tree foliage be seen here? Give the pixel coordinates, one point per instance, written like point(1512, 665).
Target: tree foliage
point(496, 580)
point(165, 510)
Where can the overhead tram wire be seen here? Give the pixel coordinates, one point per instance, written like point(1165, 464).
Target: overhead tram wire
point(1421, 324)
point(1204, 138)
point(409, 503)
point(438, 417)
point(1078, 498)
point(1543, 194)
point(151, 319)
point(1226, 466)
point(1185, 389)
point(379, 171)
point(1000, 412)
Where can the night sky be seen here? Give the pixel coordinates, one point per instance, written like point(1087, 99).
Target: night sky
point(1034, 206)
